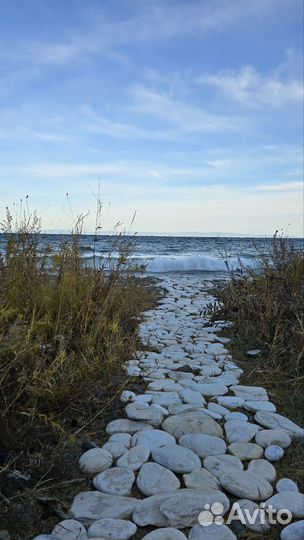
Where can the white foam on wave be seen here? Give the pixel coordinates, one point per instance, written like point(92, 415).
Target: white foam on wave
point(195, 263)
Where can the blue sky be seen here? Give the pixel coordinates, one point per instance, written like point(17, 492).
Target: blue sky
point(187, 111)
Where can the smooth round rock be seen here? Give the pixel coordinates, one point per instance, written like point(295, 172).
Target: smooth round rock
point(154, 478)
point(69, 529)
point(274, 453)
point(184, 505)
point(261, 524)
point(211, 532)
point(246, 451)
point(93, 505)
point(290, 500)
point(176, 458)
point(255, 406)
point(116, 481)
point(95, 460)
point(250, 393)
point(109, 529)
point(192, 422)
point(238, 431)
point(152, 439)
point(268, 437)
point(294, 531)
point(134, 458)
point(167, 533)
point(126, 426)
point(203, 445)
point(231, 402)
point(277, 421)
point(201, 479)
point(191, 396)
point(286, 484)
point(246, 485)
point(218, 465)
point(262, 468)
point(214, 407)
point(143, 412)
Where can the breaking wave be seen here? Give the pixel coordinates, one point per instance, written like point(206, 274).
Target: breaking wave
point(193, 263)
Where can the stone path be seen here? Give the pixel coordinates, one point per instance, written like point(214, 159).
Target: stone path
point(193, 443)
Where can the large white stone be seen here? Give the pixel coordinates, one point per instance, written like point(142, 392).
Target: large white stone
point(267, 437)
point(211, 532)
point(184, 506)
point(218, 465)
point(200, 479)
point(191, 396)
point(167, 533)
point(239, 431)
point(230, 402)
point(176, 458)
point(116, 481)
point(245, 451)
point(143, 412)
point(250, 393)
point(261, 524)
point(214, 407)
point(277, 421)
point(290, 500)
point(154, 478)
point(95, 460)
point(294, 531)
point(263, 468)
point(126, 426)
point(69, 529)
point(192, 422)
point(286, 484)
point(246, 485)
point(134, 458)
point(203, 445)
point(255, 406)
point(152, 439)
point(108, 529)
point(93, 505)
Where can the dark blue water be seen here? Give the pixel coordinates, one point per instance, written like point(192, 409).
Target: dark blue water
point(163, 254)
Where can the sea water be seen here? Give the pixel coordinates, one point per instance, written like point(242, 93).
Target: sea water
point(211, 256)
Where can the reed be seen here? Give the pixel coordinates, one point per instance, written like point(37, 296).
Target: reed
point(65, 327)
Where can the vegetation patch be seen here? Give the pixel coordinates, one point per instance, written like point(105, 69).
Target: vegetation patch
point(66, 329)
point(266, 307)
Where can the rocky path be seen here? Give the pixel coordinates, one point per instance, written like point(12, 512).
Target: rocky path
point(195, 442)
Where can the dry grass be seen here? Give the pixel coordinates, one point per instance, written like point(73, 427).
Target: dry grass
point(266, 307)
point(65, 331)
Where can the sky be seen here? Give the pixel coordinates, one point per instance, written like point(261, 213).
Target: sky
point(187, 112)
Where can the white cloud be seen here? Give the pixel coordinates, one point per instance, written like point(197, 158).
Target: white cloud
point(187, 117)
point(249, 87)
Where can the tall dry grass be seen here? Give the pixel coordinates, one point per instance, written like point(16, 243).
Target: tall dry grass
point(266, 305)
point(65, 327)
